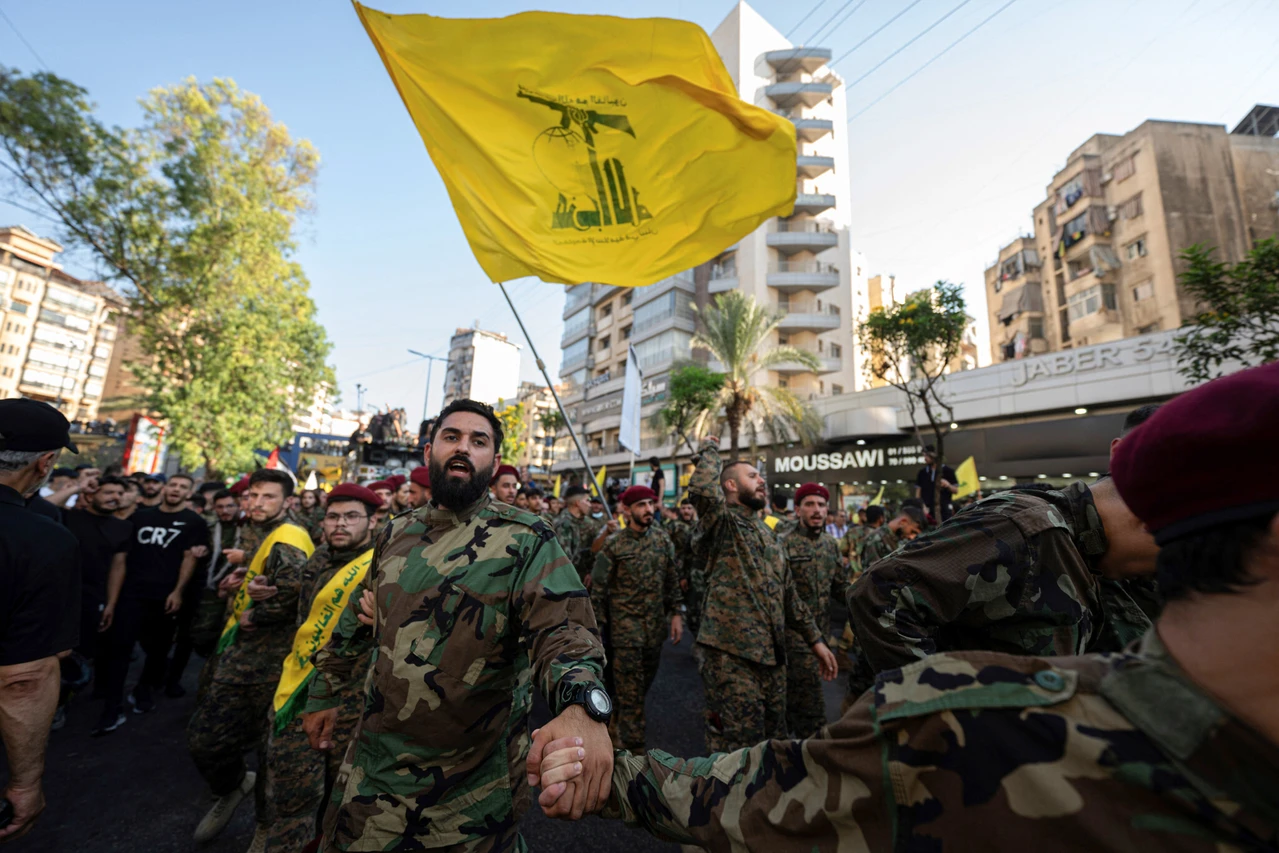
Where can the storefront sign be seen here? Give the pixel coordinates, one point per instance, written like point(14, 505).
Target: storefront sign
point(869, 462)
point(1119, 354)
point(653, 391)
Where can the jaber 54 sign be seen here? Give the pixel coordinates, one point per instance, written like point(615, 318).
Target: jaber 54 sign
point(1119, 354)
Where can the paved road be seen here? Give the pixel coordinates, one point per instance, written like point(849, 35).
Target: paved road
point(136, 790)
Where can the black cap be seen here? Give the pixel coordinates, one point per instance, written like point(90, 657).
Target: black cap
point(32, 426)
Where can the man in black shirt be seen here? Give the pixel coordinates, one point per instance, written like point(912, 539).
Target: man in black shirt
point(161, 561)
point(39, 601)
point(936, 483)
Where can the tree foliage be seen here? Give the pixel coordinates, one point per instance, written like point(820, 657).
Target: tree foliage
point(552, 421)
point(910, 346)
point(192, 213)
point(736, 330)
point(1238, 318)
point(692, 393)
point(513, 432)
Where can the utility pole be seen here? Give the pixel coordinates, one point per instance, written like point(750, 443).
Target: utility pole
point(430, 362)
point(359, 401)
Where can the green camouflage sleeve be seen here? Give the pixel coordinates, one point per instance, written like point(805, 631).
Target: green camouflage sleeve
point(283, 569)
point(557, 624)
point(671, 595)
point(600, 574)
point(335, 663)
point(704, 488)
point(798, 616)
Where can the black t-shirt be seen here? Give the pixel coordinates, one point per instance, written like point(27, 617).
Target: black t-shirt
point(658, 484)
point(159, 541)
point(39, 584)
point(101, 538)
point(927, 481)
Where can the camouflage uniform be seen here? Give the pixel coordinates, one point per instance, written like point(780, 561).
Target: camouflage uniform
point(635, 592)
point(681, 533)
point(981, 751)
point(877, 545)
point(473, 608)
point(230, 715)
point(850, 546)
point(819, 573)
point(750, 599)
point(297, 775)
point(695, 560)
point(1015, 573)
point(570, 532)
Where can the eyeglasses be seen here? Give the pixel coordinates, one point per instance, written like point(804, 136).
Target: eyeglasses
point(349, 518)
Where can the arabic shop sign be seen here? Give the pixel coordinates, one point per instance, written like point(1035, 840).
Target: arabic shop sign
point(1120, 354)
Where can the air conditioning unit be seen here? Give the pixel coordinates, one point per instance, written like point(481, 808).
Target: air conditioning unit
point(1112, 212)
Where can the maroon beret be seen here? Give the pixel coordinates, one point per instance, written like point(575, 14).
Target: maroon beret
point(1169, 470)
point(421, 475)
point(352, 491)
point(507, 469)
point(240, 486)
point(635, 494)
point(380, 484)
point(811, 489)
point(397, 480)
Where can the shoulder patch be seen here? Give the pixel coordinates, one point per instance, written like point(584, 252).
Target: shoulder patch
point(971, 680)
point(515, 514)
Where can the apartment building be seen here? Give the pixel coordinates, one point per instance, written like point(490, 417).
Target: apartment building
point(802, 266)
point(482, 366)
point(1103, 260)
point(57, 332)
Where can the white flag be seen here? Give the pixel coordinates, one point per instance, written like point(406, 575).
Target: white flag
point(628, 435)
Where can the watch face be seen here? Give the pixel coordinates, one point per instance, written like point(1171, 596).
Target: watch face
point(599, 700)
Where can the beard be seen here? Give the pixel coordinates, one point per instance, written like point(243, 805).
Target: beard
point(751, 501)
point(454, 493)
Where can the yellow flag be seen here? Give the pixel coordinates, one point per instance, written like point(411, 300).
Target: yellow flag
point(879, 498)
point(967, 474)
point(599, 480)
point(587, 148)
point(558, 479)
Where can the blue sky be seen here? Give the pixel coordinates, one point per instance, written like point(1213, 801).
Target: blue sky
point(944, 170)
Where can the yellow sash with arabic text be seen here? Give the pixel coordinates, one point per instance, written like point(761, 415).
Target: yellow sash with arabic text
point(290, 694)
point(289, 534)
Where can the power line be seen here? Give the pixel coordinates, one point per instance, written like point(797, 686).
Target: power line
point(843, 20)
point(23, 39)
point(936, 57)
point(916, 38)
point(833, 16)
point(845, 54)
point(805, 18)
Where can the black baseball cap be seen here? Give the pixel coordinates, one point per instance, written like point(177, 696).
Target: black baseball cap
point(32, 426)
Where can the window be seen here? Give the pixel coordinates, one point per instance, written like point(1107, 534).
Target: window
point(1125, 168)
point(1136, 249)
point(821, 387)
point(576, 353)
point(1146, 330)
point(577, 323)
point(837, 389)
point(1092, 300)
point(1143, 291)
point(603, 343)
point(836, 351)
point(783, 382)
point(19, 307)
point(1079, 268)
point(1130, 208)
point(783, 341)
point(627, 297)
point(624, 334)
point(1036, 327)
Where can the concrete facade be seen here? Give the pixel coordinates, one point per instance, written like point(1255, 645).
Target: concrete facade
point(482, 366)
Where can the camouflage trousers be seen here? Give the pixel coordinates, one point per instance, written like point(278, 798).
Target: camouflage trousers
point(230, 720)
point(745, 701)
point(805, 701)
point(634, 669)
point(299, 778)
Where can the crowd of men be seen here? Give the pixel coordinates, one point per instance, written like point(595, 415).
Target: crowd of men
point(1087, 667)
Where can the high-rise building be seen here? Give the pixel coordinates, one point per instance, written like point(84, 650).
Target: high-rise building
point(483, 366)
point(57, 332)
point(801, 266)
point(1103, 261)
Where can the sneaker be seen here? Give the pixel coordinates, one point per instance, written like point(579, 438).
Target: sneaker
point(142, 700)
point(108, 722)
point(59, 718)
point(258, 845)
point(220, 815)
point(174, 691)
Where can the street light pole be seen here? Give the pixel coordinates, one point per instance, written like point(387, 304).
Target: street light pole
point(430, 362)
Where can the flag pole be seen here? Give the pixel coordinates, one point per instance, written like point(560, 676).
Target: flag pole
point(541, 365)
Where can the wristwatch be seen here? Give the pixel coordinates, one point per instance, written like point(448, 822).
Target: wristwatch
point(598, 706)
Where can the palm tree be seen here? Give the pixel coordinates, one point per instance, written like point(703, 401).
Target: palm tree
point(735, 330)
point(552, 422)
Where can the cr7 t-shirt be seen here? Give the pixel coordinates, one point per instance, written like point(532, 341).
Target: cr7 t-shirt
point(160, 539)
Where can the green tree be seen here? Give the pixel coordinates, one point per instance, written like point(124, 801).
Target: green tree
point(1238, 318)
point(736, 330)
point(692, 395)
point(192, 213)
point(910, 346)
point(552, 421)
point(513, 431)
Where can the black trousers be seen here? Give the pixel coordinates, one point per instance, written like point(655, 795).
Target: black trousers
point(142, 621)
point(183, 645)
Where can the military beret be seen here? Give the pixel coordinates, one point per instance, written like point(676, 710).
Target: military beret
point(507, 469)
point(397, 480)
point(635, 494)
point(811, 489)
point(380, 484)
point(240, 486)
point(574, 491)
point(421, 475)
point(1169, 469)
point(352, 491)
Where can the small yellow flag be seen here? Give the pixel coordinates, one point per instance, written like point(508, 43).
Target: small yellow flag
point(599, 480)
point(967, 474)
point(559, 478)
point(587, 148)
point(879, 498)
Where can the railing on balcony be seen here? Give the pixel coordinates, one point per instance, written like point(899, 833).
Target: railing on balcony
point(664, 317)
point(801, 307)
point(805, 266)
point(577, 297)
point(804, 226)
point(77, 323)
point(52, 299)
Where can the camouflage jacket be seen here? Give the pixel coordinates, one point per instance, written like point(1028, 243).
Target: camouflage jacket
point(681, 533)
point(813, 558)
point(876, 545)
point(750, 595)
point(850, 546)
point(634, 587)
point(1013, 573)
point(473, 608)
point(571, 533)
point(980, 751)
point(256, 655)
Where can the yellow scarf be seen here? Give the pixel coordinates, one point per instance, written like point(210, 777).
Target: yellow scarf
point(289, 534)
point(312, 635)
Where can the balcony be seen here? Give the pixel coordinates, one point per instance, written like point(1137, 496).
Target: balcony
point(792, 59)
point(658, 323)
point(576, 333)
point(584, 360)
point(788, 95)
point(811, 166)
point(680, 281)
point(722, 280)
point(801, 236)
point(578, 296)
point(807, 317)
point(826, 364)
point(812, 129)
point(790, 276)
point(813, 203)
